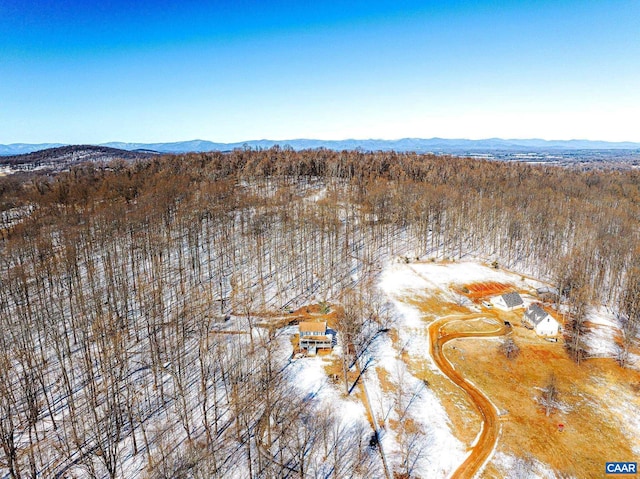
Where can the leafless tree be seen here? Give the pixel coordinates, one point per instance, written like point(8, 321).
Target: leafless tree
point(630, 314)
point(509, 348)
point(549, 396)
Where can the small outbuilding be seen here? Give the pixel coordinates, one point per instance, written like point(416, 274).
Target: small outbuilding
point(547, 294)
point(314, 336)
point(508, 301)
point(542, 322)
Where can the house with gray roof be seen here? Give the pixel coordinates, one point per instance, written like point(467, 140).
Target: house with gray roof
point(542, 322)
point(508, 301)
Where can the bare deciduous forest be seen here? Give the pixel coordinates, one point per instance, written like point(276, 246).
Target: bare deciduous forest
point(114, 280)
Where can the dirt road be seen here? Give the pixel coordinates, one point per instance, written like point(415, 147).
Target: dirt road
point(490, 430)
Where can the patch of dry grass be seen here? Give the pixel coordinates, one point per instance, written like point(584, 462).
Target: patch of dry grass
point(333, 366)
point(592, 434)
point(295, 341)
point(433, 307)
point(478, 291)
point(386, 384)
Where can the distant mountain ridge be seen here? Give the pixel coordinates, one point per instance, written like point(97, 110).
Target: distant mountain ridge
point(404, 144)
point(24, 148)
point(440, 145)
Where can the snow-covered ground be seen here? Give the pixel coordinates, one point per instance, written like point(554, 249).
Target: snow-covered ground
point(309, 377)
point(428, 447)
point(601, 338)
point(435, 449)
point(618, 402)
point(517, 468)
point(445, 274)
point(399, 278)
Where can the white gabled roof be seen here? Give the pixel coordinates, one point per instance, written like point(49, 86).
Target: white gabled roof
point(535, 314)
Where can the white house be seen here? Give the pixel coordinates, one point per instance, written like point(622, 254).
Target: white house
point(313, 336)
point(508, 301)
point(543, 323)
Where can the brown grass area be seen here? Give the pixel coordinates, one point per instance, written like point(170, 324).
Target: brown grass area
point(433, 307)
point(592, 434)
point(307, 310)
point(393, 334)
point(384, 377)
point(312, 312)
point(332, 367)
point(477, 291)
point(359, 393)
point(408, 424)
point(511, 385)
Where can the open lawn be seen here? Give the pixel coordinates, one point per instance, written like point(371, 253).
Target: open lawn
point(595, 401)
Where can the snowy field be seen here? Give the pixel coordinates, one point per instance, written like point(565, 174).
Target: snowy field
point(401, 279)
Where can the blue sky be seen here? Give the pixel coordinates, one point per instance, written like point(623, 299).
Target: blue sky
point(91, 72)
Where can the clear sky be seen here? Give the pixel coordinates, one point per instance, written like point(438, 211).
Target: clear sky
point(165, 70)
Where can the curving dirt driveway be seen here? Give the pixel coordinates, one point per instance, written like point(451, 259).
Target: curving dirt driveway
point(490, 430)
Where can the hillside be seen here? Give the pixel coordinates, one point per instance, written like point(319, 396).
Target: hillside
point(63, 157)
point(152, 315)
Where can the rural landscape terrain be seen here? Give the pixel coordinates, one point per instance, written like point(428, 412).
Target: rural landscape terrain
point(580, 154)
point(274, 313)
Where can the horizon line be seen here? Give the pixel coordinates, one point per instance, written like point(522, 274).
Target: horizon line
point(327, 140)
